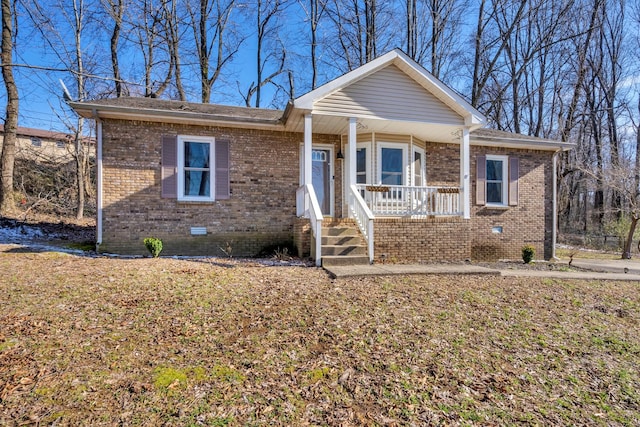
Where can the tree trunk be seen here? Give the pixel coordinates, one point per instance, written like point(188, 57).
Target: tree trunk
point(78, 9)
point(117, 9)
point(626, 253)
point(7, 203)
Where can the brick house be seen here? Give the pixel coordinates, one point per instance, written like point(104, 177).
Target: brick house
point(384, 162)
point(45, 146)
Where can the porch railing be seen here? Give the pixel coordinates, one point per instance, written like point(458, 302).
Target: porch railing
point(363, 217)
point(308, 206)
point(403, 200)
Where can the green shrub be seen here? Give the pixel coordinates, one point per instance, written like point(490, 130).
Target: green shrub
point(154, 246)
point(528, 253)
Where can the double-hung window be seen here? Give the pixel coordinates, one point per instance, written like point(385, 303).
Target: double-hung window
point(497, 184)
point(195, 159)
point(418, 168)
point(497, 180)
point(195, 168)
point(363, 160)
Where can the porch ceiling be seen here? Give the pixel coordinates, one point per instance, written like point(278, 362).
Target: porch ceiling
point(336, 125)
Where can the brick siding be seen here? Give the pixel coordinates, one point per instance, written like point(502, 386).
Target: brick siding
point(528, 223)
point(261, 212)
point(264, 176)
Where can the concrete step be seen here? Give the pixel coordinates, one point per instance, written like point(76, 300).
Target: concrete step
point(344, 250)
point(343, 245)
point(340, 231)
point(342, 240)
point(341, 260)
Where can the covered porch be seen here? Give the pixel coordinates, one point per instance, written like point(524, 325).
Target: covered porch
point(385, 113)
point(372, 175)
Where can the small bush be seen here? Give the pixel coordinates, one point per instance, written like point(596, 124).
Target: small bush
point(154, 246)
point(528, 253)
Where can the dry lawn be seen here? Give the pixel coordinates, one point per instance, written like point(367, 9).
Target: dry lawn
point(87, 341)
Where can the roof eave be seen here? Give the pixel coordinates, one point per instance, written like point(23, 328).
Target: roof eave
point(99, 111)
point(526, 144)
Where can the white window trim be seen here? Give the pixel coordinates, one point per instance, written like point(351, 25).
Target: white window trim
point(212, 171)
point(505, 180)
point(366, 146)
point(405, 166)
point(423, 172)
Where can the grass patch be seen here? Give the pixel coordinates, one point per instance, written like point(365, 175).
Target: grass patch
point(175, 342)
point(564, 253)
point(86, 246)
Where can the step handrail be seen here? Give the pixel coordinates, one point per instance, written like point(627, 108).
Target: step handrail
point(308, 206)
point(363, 217)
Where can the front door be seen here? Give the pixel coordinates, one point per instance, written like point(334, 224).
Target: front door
point(322, 178)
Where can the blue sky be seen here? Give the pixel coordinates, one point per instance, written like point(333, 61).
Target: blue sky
point(41, 95)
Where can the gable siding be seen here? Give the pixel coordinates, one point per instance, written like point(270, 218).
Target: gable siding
point(388, 94)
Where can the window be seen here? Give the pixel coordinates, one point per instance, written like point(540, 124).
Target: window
point(418, 168)
point(363, 160)
point(195, 168)
point(497, 180)
point(36, 142)
point(60, 144)
point(391, 164)
point(496, 192)
point(195, 157)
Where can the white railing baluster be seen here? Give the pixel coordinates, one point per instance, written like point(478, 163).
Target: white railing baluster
point(400, 200)
point(362, 215)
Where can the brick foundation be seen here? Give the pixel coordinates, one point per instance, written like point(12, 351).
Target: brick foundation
point(441, 239)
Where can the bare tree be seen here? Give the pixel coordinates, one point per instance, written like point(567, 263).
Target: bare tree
point(634, 193)
point(215, 46)
point(271, 54)
point(68, 48)
point(7, 203)
point(115, 9)
point(152, 23)
point(357, 35)
point(314, 13)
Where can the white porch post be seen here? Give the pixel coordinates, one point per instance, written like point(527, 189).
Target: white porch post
point(307, 177)
point(351, 161)
point(352, 152)
point(465, 180)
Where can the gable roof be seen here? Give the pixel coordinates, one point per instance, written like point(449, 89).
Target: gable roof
point(391, 94)
point(412, 76)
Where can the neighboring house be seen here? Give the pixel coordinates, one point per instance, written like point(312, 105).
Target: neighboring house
point(45, 146)
point(386, 147)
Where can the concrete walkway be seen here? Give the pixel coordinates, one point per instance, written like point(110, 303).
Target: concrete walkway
point(623, 270)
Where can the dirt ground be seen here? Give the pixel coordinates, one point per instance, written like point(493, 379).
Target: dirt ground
point(108, 341)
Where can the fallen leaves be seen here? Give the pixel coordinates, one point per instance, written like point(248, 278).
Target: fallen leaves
point(177, 342)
